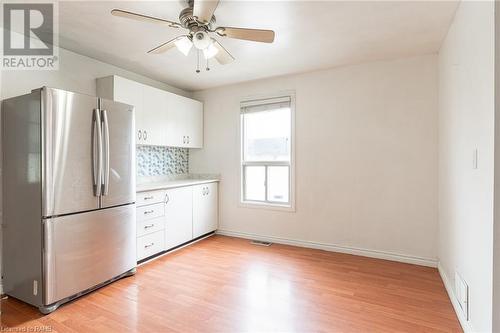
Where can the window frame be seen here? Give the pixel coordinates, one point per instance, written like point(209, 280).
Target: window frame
point(267, 204)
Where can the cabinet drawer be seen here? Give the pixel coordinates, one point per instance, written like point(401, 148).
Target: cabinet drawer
point(150, 244)
point(150, 226)
point(151, 197)
point(150, 212)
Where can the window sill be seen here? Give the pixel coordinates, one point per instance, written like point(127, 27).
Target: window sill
point(268, 206)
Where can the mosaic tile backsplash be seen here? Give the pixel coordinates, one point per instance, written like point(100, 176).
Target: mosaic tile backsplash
point(161, 161)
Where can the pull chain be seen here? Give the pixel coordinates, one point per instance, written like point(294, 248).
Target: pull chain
point(198, 61)
point(208, 67)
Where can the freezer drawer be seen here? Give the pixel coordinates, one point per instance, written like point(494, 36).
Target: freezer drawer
point(84, 250)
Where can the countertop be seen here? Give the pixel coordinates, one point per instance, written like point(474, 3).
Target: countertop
point(172, 183)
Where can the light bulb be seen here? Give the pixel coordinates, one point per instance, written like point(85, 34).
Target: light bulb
point(184, 45)
point(201, 40)
point(210, 51)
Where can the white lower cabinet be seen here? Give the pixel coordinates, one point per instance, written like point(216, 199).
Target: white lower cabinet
point(178, 216)
point(169, 218)
point(204, 209)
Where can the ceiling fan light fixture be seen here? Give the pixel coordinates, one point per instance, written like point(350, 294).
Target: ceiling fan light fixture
point(198, 18)
point(184, 45)
point(201, 40)
point(211, 51)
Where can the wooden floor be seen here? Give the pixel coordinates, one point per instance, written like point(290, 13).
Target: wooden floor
point(224, 284)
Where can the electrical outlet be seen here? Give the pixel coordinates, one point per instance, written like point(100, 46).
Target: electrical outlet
point(462, 294)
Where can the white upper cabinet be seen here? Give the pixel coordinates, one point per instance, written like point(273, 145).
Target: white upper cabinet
point(125, 91)
point(154, 116)
point(186, 126)
point(176, 133)
point(193, 124)
point(162, 118)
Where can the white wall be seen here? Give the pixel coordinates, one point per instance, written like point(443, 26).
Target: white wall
point(466, 122)
point(366, 152)
point(496, 234)
point(76, 73)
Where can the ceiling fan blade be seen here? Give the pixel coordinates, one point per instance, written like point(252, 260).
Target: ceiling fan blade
point(223, 57)
point(162, 48)
point(256, 35)
point(144, 18)
point(204, 9)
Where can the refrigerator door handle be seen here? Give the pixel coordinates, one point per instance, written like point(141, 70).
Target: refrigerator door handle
point(105, 182)
point(97, 152)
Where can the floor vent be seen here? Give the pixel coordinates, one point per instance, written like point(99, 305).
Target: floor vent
point(261, 243)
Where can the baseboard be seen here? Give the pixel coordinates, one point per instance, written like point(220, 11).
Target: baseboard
point(335, 248)
point(466, 325)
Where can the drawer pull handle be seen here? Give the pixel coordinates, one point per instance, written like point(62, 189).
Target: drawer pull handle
point(149, 212)
point(149, 226)
point(148, 245)
point(149, 198)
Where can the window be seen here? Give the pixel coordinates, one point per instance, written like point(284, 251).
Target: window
point(266, 151)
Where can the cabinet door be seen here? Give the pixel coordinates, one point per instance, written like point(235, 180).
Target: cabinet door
point(185, 122)
point(131, 92)
point(174, 131)
point(154, 111)
point(204, 209)
point(178, 216)
point(194, 123)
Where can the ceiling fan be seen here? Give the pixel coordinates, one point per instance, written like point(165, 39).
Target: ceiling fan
point(198, 18)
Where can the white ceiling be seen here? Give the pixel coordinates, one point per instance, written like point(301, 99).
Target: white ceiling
point(310, 35)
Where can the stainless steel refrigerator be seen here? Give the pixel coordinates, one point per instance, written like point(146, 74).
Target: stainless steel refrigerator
point(68, 195)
